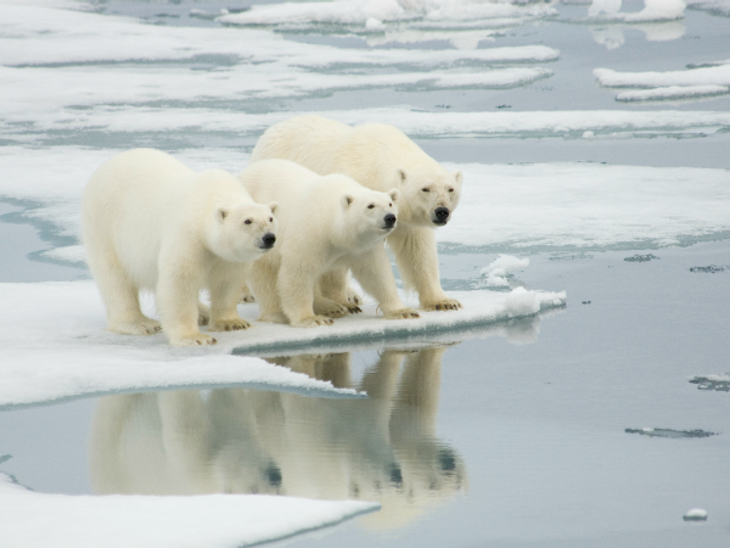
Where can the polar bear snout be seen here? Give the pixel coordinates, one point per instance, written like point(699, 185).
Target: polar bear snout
point(441, 215)
point(267, 241)
point(389, 221)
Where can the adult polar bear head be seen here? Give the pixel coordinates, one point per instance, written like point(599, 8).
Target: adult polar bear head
point(238, 233)
point(366, 217)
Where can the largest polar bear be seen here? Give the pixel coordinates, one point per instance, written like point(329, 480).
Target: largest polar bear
point(150, 222)
point(328, 224)
point(380, 157)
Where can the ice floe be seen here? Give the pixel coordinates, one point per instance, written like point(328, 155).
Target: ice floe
point(672, 93)
point(706, 80)
point(33, 519)
point(352, 12)
point(55, 346)
point(718, 75)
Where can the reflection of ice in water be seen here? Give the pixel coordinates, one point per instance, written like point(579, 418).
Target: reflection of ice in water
point(661, 17)
point(654, 10)
point(599, 7)
point(383, 448)
point(611, 37)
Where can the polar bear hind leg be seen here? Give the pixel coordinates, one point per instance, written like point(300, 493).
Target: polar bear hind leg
point(121, 297)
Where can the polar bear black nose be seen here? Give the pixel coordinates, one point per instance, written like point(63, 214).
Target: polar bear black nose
point(268, 239)
point(389, 220)
point(442, 213)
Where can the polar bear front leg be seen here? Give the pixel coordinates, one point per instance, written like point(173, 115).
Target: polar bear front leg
point(177, 300)
point(331, 297)
point(416, 256)
point(372, 269)
point(296, 290)
point(225, 292)
point(262, 281)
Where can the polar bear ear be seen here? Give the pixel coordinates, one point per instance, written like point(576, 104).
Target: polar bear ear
point(347, 200)
point(402, 175)
point(394, 194)
point(457, 176)
point(221, 214)
point(273, 206)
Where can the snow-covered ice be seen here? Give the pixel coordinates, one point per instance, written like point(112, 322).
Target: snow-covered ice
point(672, 93)
point(215, 521)
point(55, 346)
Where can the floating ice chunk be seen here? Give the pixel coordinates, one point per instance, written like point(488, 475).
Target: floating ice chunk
point(669, 433)
point(588, 135)
point(695, 514)
point(720, 7)
point(715, 75)
point(673, 92)
point(718, 383)
point(496, 274)
point(521, 302)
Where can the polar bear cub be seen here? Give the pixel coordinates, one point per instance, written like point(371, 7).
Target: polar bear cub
point(327, 226)
point(380, 157)
point(150, 222)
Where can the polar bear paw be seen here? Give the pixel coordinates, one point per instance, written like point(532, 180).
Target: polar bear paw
point(330, 308)
point(144, 326)
point(312, 321)
point(194, 340)
point(442, 305)
point(402, 313)
point(353, 298)
point(230, 325)
point(246, 297)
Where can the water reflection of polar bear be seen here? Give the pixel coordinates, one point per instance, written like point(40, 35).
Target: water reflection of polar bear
point(383, 448)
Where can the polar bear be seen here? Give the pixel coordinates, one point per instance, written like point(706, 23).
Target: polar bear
point(380, 157)
point(150, 222)
point(327, 226)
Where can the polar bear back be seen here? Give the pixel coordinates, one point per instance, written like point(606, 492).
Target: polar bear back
point(370, 153)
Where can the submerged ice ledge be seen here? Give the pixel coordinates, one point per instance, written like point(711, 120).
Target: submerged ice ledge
point(55, 346)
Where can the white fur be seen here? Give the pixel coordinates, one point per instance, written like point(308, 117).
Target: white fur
point(380, 157)
point(327, 225)
point(149, 222)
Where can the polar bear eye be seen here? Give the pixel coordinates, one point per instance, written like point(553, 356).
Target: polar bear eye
point(371, 206)
point(271, 219)
point(247, 222)
point(451, 190)
point(425, 189)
